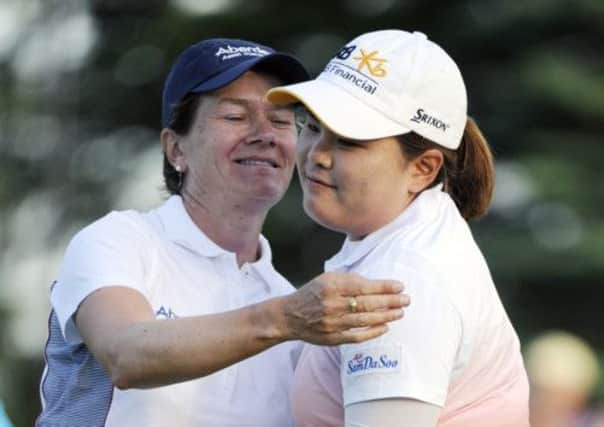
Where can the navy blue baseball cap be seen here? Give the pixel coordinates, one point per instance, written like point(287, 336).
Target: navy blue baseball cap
point(214, 63)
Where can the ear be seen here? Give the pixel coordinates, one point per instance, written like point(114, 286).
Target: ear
point(171, 148)
point(424, 169)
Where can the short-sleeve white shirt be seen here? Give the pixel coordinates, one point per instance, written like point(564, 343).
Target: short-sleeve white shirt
point(455, 347)
point(181, 272)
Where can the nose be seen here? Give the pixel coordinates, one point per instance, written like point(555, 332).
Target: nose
point(319, 151)
point(262, 132)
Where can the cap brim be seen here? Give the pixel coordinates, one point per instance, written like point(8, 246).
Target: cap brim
point(341, 112)
point(283, 66)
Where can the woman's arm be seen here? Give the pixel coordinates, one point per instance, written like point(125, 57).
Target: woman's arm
point(392, 413)
point(119, 327)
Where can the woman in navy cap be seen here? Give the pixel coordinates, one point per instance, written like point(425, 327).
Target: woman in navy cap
point(177, 317)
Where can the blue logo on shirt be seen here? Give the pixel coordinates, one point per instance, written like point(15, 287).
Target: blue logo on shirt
point(165, 313)
point(361, 363)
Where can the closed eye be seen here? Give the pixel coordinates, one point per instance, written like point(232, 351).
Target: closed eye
point(234, 118)
point(348, 143)
point(313, 127)
point(282, 122)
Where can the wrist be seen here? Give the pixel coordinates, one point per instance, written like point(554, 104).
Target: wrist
point(270, 318)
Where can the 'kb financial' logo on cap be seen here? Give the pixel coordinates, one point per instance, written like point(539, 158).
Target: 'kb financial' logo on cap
point(366, 60)
point(229, 51)
point(357, 77)
point(372, 62)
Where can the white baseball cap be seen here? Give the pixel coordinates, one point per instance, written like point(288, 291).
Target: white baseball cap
point(386, 83)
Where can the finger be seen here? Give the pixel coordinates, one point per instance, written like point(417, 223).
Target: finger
point(381, 302)
point(364, 320)
point(358, 335)
point(356, 285)
point(370, 303)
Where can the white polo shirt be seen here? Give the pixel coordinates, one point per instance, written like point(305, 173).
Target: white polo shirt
point(181, 272)
point(455, 347)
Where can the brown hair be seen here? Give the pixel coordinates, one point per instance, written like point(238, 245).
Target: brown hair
point(467, 173)
point(181, 120)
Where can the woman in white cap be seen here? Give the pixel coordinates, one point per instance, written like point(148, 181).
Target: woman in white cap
point(388, 156)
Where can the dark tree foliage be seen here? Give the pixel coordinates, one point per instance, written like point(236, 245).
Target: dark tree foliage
point(534, 72)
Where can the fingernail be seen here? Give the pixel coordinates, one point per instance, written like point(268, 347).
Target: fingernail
point(405, 300)
point(397, 287)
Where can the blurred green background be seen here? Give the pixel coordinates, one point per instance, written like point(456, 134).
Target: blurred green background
point(80, 93)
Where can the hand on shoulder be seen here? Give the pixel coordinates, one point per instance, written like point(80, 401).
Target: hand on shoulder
point(337, 308)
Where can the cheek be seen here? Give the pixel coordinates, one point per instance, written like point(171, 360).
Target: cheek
point(305, 141)
point(364, 189)
point(300, 154)
point(289, 146)
point(290, 153)
point(300, 160)
point(360, 193)
point(365, 186)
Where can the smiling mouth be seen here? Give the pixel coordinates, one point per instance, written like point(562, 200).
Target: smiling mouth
point(319, 182)
point(257, 162)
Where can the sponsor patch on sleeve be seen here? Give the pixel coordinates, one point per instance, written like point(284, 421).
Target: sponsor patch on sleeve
point(383, 360)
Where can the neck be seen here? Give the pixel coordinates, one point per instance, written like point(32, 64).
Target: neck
point(377, 222)
point(233, 228)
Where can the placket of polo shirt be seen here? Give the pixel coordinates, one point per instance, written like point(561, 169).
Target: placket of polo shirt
point(232, 281)
point(255, 287)
point(238, 289)
point(230, 272)
point(249, 284)
point(246, 276)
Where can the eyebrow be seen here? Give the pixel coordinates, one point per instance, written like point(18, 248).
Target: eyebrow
point(246, 103)
point(238, 101)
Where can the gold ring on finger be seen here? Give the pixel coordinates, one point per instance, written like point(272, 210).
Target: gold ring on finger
point(352, 304)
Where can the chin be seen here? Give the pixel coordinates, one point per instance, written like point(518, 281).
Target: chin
point(269, 191)
point(269, 200)
point(324, 218)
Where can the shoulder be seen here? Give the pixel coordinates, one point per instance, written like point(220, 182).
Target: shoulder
point(118, 242)
point(397, 261)
point(432, 304)
point(435, 227)
point(114, 223)
point(129, 228)
point(113, 250)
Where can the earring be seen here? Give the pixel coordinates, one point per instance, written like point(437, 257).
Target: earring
point(180, 174)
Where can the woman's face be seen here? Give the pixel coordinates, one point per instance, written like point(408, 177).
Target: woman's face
point(240, 147)
point(354, 187)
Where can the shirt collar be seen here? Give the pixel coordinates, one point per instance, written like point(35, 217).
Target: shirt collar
point(421, 210)
point(180, 229)
point(265, 262)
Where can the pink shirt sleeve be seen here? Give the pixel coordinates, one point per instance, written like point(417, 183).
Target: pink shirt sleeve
point(316, 397)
